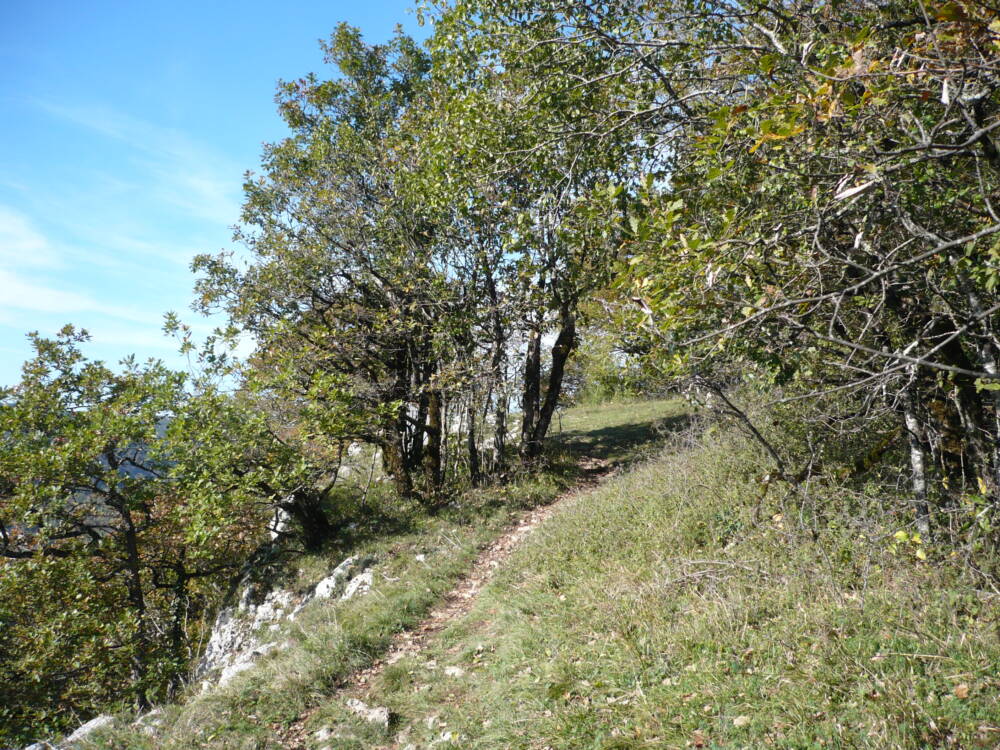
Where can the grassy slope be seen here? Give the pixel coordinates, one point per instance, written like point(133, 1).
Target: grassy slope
point(331, 641)
point(655, 612)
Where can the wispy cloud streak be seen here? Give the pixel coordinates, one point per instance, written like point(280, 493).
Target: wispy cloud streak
point(21, 244)
point(17, 293)
point(184, 173)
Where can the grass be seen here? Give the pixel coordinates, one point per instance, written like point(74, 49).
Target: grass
point(671, 607)
point(331, 641)
point(664, 610)
point(617, 433)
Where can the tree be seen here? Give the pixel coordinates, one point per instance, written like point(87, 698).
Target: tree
point(810, 190)
point(562, 196)
point(348, 292)
point(839, 217)
point(128, 499)
point(80, 478)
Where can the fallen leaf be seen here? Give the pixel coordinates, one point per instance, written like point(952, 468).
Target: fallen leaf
point(741, 721)
point(961, 691)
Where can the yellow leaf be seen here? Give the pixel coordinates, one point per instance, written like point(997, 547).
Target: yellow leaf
point(950, 12)
point(921, 555)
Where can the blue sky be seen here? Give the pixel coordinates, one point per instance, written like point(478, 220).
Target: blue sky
point(125, 130)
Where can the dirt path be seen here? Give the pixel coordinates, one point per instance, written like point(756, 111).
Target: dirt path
point(459, 601)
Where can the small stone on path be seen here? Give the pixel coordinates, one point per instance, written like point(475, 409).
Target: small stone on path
point(377, 715)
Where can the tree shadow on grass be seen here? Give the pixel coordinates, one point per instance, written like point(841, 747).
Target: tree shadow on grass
point(607, 447)
point(620, 443)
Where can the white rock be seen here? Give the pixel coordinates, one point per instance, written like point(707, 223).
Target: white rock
point(149, 723)
point(247, 659)
point(446, 738)
point(335, 583)
point(421, 557)
point(454, 672)
point(234, 633)
point(280, 524)
point(228, 673)
point(266, 648)
point(322, 734)
point(235, 644)
point(84, 731)
point(275, 604)
point(360, 584)
point(377, 715)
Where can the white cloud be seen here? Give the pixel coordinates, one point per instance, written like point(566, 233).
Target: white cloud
point(21, 244)
point(185, 173)
point(204, 194)
point(105, 243)
point(17, 293)
point(160, 198)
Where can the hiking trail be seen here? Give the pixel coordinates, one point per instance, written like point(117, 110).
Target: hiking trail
point(459, 601)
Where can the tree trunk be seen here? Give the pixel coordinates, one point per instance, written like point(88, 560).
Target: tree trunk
point(500, 432)
point(531, 392)
point(563, 347)
point(475, 472)
point(394, 463)
point(306, 507)
point(432, 449)
point(990, 365)
point(918, 480)
point(534, 433)
point(137, 602)
point(415, 457)
point(178, 637)
point(497, 370)
point(416, 448)
point(987, 352)
point(395, 451)
point(963, 449)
